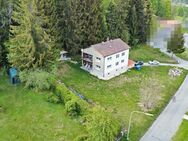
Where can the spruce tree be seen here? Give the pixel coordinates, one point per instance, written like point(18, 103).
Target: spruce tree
point(80, 23)
point(29, 47)
point(148, 17)
point(139, 19)
point(133, 26)
point(168, 9)
point(111, 20)
point(5, 8)
point(116, 17)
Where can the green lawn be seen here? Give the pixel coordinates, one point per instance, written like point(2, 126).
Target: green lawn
point(26, 116)
point(182, 134)
point(147, 53)
point(183, 55)
point(121, 94)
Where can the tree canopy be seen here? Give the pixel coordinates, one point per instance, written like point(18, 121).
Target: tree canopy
point(39, 29)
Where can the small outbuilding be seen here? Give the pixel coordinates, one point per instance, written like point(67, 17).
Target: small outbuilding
point(64, 56)
point(13, 75)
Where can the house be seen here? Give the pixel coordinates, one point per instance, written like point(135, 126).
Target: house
point(107, 59)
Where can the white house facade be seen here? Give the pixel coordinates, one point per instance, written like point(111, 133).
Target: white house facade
point(107, 59)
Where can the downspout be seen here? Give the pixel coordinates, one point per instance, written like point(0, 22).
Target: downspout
point(104, 67)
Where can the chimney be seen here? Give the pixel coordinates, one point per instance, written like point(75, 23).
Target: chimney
point(108, 38)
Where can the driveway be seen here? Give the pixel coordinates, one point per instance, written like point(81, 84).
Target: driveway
point(166, 125)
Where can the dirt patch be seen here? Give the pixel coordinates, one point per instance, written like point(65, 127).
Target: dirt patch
point(150, 94)
point(63, 70)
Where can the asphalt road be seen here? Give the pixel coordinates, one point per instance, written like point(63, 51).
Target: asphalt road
point(166, 125)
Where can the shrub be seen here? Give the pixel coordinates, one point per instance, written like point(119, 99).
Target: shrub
point(101, 125)
point(36, 79)
point(63, 92)
point(53, 98)
point(73, 108)
point(73, 104)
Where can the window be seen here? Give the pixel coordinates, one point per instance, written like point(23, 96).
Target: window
point(109, 58)
point(123, 53)
point(117, 56)
point(98, 66)
point(122, 61)
point(117, 63)
point(98, 58)
point(109, 66)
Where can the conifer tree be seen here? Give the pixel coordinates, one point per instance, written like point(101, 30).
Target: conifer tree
point(139, 19)
point(5, 8)
point(116, 17)
point(80, 23)
point(148, 18)
point(29, 47)
point(133, 26)
point(168, 9)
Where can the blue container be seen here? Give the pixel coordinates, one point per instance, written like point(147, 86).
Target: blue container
point(13, 75)
point(138, 67)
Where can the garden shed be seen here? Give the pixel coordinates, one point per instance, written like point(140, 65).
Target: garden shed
point(13, 75)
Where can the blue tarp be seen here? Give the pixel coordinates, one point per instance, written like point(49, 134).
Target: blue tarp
point(13, 74)
point(138, 67)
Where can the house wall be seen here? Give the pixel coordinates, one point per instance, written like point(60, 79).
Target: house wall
point(96, 62)
point(116, 69)
point(98, 65)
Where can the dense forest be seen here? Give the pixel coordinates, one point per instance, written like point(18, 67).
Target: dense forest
point(33, 32)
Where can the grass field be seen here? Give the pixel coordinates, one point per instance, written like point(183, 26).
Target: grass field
point(146, 53)
point(183, 55)
point(121, 94)
point(26, 116)
point(182, 134)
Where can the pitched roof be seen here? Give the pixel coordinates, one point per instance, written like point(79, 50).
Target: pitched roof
point(111, 47)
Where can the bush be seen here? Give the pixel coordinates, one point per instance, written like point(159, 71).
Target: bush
point(53, 98)
point(101, 125)
point(63, 92)
point(36, 79)
point(73, 104)
point(73, 108)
